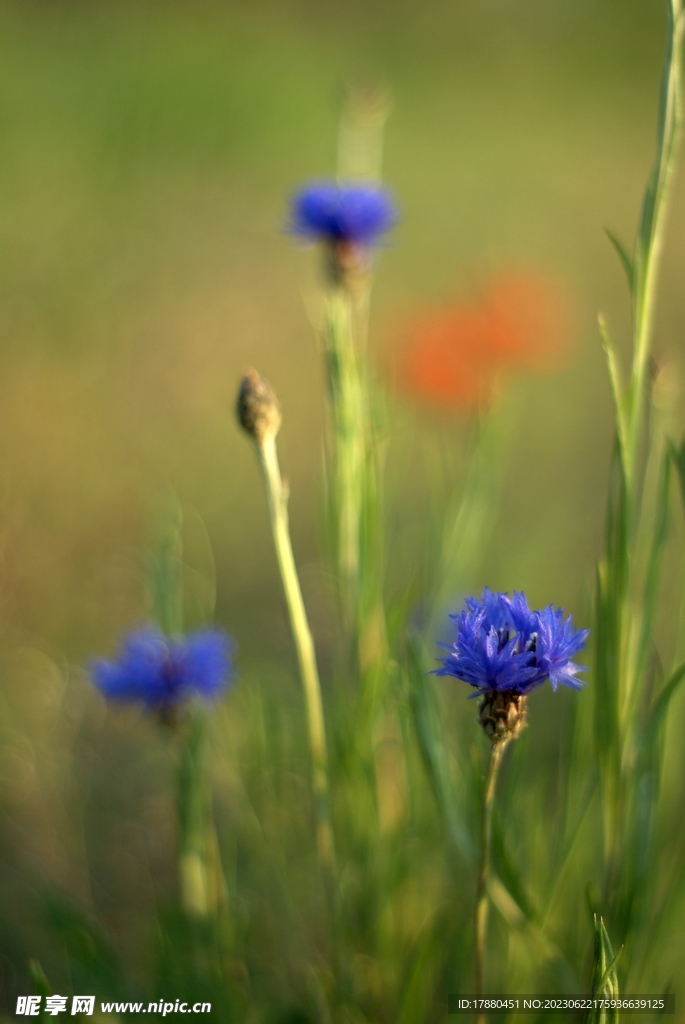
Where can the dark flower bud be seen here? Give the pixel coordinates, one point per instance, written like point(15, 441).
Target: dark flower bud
point(258, 411)
point(502, 714)
point(347, 263)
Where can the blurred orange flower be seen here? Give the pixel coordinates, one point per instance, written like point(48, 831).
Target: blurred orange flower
point(455, 354)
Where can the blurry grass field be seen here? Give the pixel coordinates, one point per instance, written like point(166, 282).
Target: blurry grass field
point(146, 156)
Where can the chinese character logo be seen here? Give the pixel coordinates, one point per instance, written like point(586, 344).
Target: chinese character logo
point(83, 1004)
point(55, 1005)
point(28, 1006)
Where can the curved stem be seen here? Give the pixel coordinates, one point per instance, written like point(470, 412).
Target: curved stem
point(277, 496)
point(481, 916)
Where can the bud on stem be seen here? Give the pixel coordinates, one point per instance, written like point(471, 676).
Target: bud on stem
point(259, 413)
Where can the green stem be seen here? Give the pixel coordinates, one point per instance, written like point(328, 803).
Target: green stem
point(277, 496)
point(481, 915)
point(354, 496)
point(651, 230)
point(621, 644)
point(349, 415)
point(193, 815)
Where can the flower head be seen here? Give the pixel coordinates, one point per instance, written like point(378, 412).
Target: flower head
point(162, 672)
point(354, 214)
point(503, 646)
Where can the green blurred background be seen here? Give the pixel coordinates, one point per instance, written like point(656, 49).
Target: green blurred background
point(147, 152)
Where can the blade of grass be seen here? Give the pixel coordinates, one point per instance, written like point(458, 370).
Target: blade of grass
point(626, 261)
point(678, 456)
point(659, 709)
point(604, 983)
point(617, 393)
point(165, 573)
point(422, 702)
point(610, 973)
point(654, 563)
point(650, 234)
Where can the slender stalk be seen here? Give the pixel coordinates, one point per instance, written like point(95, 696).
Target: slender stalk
point(469, 519)
point(354, 457)
point(349, 415)
point(360, 135)
point(621, 639)
point(354, 488)
point(647, 263)
point(481, 915)
point(652, 224)
point(197, 881)
point(277, 497)
point(193, 813)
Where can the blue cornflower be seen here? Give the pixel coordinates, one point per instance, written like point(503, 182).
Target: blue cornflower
point(354, 214)
point(504, 647)
point(162, 672)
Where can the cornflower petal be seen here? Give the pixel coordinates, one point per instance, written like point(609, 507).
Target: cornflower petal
point(557, 644)
point(503, 646)
point(161, 672)
point(356, 214)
